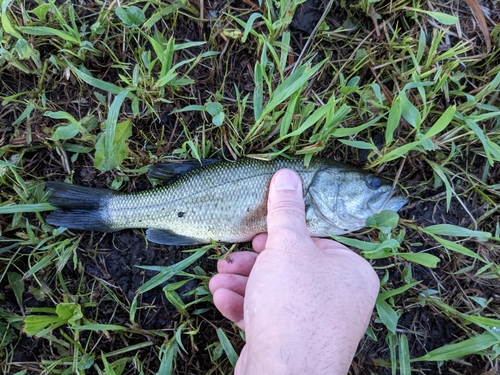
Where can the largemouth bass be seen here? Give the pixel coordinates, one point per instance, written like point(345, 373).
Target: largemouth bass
point(224, 201)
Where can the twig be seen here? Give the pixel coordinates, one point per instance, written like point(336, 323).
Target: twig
point(313, 33)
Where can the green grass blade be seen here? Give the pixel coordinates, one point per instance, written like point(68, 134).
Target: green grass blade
point(100, 327)
point(391, 340)
point(168, 272)
point(289, 86)
point(314, 118)
point(393, 120)
point(387, 316)
point(25, 115)
point(100, 84)
point(228, 348)
point(23, 208)
point(394, 292)
point(421, 45)
point(427, 260)
point(404, 356)
point(457, 248)
point(443, 121)
point(482, 137)
point(359, 144)
point(178, 337)
point(442, 175)
point(130, 348)
point(110, 125)
point(6, 24)
point(399, 152)
point(167, 57)
point(409, 112)
point(362, 245)
point(168, 352)
point(111, 148)
point(345, 132)
point(258, 93)
point(48, 31)
point(474, 345)
point(445, 19)
point(249, 25)
point(456, 231)
point(286, 121)
point(285, 49)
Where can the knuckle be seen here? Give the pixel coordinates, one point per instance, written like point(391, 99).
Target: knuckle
point(289, 237)
point(289, 208)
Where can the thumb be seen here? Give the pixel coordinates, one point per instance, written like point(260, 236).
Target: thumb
point(285, 208)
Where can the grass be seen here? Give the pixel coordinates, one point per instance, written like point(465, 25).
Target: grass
point(95, 94)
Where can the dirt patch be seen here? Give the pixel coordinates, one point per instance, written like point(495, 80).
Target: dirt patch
point(116, 263)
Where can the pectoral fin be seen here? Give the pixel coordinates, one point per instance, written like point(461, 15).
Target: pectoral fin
point(167, 237)
point(171, 171)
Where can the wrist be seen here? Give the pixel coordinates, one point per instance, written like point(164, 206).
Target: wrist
point(284, 355)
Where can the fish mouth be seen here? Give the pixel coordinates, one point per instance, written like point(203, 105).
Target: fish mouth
point(395, 202)
point(392, 202)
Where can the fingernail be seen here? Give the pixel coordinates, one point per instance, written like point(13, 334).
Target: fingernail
point(286, 180)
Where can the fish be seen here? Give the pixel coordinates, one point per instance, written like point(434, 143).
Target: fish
point(224, 201)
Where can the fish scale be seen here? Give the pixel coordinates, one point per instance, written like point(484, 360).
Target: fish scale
point(225, 201)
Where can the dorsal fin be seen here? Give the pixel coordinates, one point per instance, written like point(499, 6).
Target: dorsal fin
point(172, 170)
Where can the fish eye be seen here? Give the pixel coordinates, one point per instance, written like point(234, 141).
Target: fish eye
point(373, 182)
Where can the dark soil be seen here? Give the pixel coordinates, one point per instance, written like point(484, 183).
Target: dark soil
point(425, 328)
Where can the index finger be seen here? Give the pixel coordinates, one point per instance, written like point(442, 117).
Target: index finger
point(325, 243)
point(259, 242)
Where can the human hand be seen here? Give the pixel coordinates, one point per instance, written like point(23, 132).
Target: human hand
point(303, 302)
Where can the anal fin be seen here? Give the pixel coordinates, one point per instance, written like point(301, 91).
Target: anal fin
point(167, 237)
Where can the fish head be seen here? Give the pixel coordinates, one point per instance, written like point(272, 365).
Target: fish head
point(343, 198)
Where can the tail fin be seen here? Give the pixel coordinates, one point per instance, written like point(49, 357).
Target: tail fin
point(78, 207)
